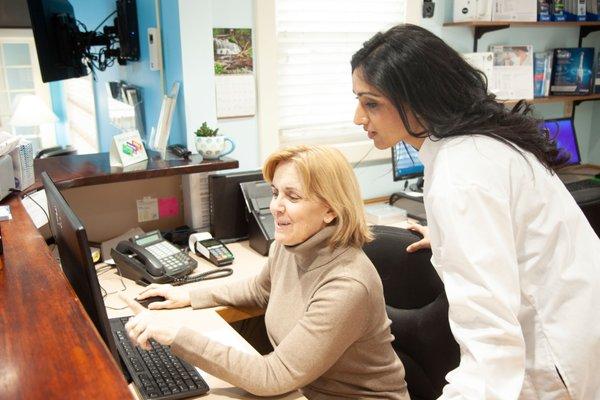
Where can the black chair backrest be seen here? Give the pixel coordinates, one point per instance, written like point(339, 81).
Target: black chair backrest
point(589, 202)
point(417, 305)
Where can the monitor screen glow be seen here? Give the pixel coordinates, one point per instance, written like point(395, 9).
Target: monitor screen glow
point(563, 131)
point(405, 162)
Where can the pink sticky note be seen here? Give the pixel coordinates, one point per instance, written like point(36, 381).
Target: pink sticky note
point(168, 207)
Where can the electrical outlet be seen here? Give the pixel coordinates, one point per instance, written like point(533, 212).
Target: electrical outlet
point(428, 9)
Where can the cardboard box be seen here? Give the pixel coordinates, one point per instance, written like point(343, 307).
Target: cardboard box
point(572, 72)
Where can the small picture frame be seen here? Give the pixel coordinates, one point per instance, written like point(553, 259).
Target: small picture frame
point(127, 149)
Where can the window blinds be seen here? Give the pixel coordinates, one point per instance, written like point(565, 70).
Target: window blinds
point(316, 40)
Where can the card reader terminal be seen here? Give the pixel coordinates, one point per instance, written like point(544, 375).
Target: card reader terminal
point(212, 249)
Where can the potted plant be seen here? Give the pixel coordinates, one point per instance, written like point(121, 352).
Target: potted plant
point(206, 131)
point(211, 145)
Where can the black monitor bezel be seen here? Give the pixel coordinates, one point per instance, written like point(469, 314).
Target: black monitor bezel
point(64, 51)
point(398, 177)
point(83, 278)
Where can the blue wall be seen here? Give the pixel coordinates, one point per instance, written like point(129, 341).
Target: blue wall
point(91, 13)
point(172, 66)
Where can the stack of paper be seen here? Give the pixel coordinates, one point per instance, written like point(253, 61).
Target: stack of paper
point(384, 214)
point(5, 213)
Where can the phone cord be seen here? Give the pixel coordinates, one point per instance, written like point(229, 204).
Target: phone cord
point(204, 276)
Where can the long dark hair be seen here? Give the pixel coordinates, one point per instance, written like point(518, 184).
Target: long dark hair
point(416, 69)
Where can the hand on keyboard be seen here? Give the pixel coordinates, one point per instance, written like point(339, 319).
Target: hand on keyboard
point(175, 297)
point(146, 325)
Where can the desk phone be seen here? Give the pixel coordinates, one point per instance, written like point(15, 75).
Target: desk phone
point(149, 258)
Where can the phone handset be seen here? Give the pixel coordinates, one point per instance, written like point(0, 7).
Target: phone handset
point(149, 258)
point(141, 258)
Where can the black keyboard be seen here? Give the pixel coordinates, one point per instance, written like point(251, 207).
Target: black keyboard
point(581, 185)
point(157, 373)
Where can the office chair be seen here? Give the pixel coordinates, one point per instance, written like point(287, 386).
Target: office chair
point(56, 151)
point(417, 305)
point(589, 202)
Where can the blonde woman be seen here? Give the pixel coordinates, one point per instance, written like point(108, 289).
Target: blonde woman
point(325, 313)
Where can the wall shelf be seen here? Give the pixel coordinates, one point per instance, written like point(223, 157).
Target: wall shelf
point(480, 28)
point(558, 99)
point(570, 101)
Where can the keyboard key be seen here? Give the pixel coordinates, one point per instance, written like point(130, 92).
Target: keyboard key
point(157, 373)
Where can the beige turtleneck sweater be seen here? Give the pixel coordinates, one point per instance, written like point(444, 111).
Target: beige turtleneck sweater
point(325, 317)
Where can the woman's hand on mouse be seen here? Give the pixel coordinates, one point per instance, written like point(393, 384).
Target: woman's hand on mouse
point(424, 243)
point(175, 297)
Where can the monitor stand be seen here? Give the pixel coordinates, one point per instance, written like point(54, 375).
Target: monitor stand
point(415, 189)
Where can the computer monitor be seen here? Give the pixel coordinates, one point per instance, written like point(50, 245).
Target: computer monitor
point(563, 131)
point(76, 260)
point(54, 30)
point(405, 162)
point(64, 51)
point(228, 215)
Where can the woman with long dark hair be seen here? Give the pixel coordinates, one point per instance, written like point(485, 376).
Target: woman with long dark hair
point(519, 260)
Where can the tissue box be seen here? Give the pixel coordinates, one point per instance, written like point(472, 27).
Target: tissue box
point(22, 160)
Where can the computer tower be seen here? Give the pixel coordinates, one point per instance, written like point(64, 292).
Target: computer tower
point(228, 219)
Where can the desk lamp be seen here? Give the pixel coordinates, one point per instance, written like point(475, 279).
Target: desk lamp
point(30, 111)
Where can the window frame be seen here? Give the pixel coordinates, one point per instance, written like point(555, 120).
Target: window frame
point(266, 69)
point(47, 134)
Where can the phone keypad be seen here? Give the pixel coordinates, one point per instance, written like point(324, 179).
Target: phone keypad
point(220, 253)
point(170, 256)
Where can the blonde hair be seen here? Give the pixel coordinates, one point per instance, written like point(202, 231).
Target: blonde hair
point(327, 176)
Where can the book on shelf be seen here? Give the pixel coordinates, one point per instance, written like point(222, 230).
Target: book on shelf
point(514, 10)
point(484, 62)
point(542, 71)
point(597, 77)
point(557, 10)
point(513, 71)
point(592, 7)
point(543, 10)
point(472, 10)
point(575, 10)
point(572, 71)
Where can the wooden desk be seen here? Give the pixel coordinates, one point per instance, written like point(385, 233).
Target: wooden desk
point(211, 322)
point(50, 348)
point(574, 173)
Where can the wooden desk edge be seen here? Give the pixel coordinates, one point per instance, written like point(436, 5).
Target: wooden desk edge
point(72, 361)
point(234, 314)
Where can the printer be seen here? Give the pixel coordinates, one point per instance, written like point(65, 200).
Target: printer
point(261, 225)
point(7, 176)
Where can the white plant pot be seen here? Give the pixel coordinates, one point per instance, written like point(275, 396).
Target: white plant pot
point(214, 147)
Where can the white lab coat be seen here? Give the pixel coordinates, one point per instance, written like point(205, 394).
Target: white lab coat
point(521, 268)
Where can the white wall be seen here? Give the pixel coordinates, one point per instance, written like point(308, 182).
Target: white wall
point(197, 18)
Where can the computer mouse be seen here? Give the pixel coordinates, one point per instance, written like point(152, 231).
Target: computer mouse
point(152, 299)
